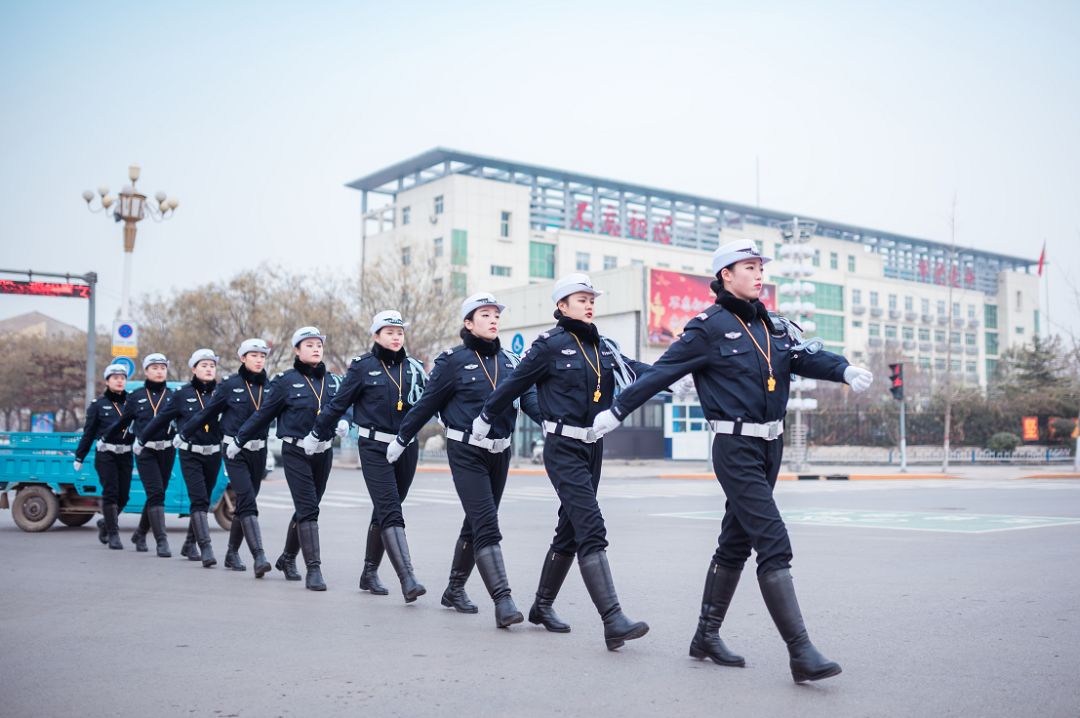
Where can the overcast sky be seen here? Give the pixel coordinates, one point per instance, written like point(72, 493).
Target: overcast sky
point(254, 115)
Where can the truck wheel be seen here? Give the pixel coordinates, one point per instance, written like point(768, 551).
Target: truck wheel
point(35, 508)
point(225, 509)
point(73, 519)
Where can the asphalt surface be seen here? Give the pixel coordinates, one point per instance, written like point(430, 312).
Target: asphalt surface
point(938, 597)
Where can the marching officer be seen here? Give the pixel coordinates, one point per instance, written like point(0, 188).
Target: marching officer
point(462, 378)
point(381, 386)
point(112, 457)
point(235, 399)
point(200, 450)
point(154, 452)
point(575, 371)
point(295, 398)
point(742, 359)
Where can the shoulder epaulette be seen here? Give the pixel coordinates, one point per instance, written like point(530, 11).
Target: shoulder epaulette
point(709, 311)
point(361, 357)
point(554, 331)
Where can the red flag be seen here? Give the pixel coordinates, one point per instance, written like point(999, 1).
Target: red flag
point(1042, 258)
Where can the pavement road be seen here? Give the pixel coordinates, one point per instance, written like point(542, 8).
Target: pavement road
point(956, 597)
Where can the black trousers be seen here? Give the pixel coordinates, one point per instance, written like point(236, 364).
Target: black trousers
point(155, 468)
point(246, 473)
point(574, 470)
point(200, 473)
point(747, 468)
point(114, 471)
point(387, 484)
point(479, 477)
point(306, 476)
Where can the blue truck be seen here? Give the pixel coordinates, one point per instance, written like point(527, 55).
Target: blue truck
point(38, 468)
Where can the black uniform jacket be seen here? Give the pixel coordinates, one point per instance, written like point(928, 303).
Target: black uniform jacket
point(100, 416)
point(234, 400)
point(294, 398)
point(181, 405)
point(141, 406)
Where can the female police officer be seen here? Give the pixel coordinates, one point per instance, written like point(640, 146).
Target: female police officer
point(295, 398)
point(235, 399)
point(200, 450)
point(742, 360)
point(112, 458)
point(154, 452)
point(463, 377)
point(381, 386)
point(575, 371)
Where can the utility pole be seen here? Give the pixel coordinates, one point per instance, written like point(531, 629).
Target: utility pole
point(949, 338)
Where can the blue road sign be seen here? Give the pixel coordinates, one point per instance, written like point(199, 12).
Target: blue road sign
point(126, 362)
point(517, 344)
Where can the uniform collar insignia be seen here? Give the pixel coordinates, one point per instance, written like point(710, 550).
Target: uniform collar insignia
point(733, 335)
point(569, 352)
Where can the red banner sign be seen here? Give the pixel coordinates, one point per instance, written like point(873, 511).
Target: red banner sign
point(1030, 428)
point(676, 297)
point(45, 289)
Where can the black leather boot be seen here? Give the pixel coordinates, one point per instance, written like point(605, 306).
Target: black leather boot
point(138, 538)
point(720, 583)
point(190, 548)
point(309, 543)
point(102, 532)
point(112, 526)
point(373, 553)
point(489, 562)
point(618, 629)
point(232, 551)
point(250, 526)
point(156, 515)
point(286, 562)
point(552, 575)
point(202, 535)
point(807, 663)
point(397, 549)
point(454, 596)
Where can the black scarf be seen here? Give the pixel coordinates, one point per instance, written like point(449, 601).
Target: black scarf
point(386, 356)
point(252, 377)
point(203, 387)
point(583, 331)
point(747, 311)
point(315, 372)
point(485, 347)
point(119, 397)
point(154, 386)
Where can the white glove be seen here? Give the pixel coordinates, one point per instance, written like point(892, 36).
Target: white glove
point(604, 422)
point(394, 450)
point(232, 450)
point(858, 379)
point(77, 465)
point(342, 429)
point(137, 447)
point(480, 428)
point(310, 444)
point(176, 441)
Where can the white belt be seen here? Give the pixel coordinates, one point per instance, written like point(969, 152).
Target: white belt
point(769, 431)
point(319, 447)
point(381, 436)
point(157, 445)
point(114, 448)
point(495, 446)
point(253, 445)
point(204, 449)
point(574, 432)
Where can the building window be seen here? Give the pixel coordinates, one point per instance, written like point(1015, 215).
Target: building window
point(851, 262)
point(610, 262)
point(856, 324)
point(969, 367)
point(890, 331)
point(941, 306)
point(498, 270)
point(956, 309)
point(939, 364)
point(1019, 330)
point(458, 284)
point(541, 260)
point(924, 362)
point(438, 244)
point(957, 338)
point(830, 327)
point(954, 366)
point(969, 340)
point(816, 261)
point(1036, 322)
point(939, 336)
point(971, 311)
point(991, 368)
point(405, 212)
point(1019, 301)
point(406, 256)
point(581, 261)
point(439, 205)
point(856, 296)
point(892, 301)
point(909, 304)
point(925, 306)
point(991, 343)
point(437, 283)
point(908, 333)
point(459, 247)
point(990, 316)
point(875, 330)
point(636, 263)
point(924, 334)
point(829, 297)
point(873, 299)
point(504, 225)
point(834, 260)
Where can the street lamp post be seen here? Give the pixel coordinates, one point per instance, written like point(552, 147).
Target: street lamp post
point(131, 208)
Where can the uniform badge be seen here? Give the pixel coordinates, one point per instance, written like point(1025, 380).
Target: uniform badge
point(298, 386)
point(238, 391)
point(569, 352)
point(374, 373)
point(192, 400)
point(471, 366)
point(142, 401)
point(733, 335)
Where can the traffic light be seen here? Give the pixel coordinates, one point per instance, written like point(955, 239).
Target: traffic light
point(896, 381)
